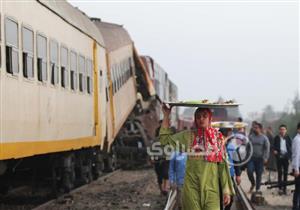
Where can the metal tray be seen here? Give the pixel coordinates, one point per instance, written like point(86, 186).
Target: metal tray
point(202, 104)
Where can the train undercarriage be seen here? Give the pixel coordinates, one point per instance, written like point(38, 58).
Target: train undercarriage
point(64, 171)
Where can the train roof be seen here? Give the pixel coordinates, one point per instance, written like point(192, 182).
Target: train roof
point(75, 17)
point(115, 36)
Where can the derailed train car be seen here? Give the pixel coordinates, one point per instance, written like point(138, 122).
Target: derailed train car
point(165, 89)
point(128, 98)
point(72, 92)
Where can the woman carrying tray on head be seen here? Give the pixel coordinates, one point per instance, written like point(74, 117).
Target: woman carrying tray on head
point(206, 162)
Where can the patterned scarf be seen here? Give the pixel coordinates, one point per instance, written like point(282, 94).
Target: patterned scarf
point(210, 141)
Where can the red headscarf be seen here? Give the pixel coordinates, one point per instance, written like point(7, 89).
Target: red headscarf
point(209, 138)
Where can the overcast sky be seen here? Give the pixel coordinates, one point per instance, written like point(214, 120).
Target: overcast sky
point(246, 50)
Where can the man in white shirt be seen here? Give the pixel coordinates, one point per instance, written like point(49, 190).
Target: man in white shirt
point(296, 165)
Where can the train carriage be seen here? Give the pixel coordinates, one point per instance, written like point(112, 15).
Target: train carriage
point(49, 82)
point(73, 90)
point(129, 95)
point(46, 77)
point(119, 57)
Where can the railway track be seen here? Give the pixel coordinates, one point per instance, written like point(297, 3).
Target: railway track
point(241, 200)
point(125, 189)
point(133, 189)
point(24, 197)
point(65, 196)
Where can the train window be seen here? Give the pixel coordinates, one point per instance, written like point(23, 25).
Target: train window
point(127, 70)
point(88, 64)
point(73, 71)
point(12, 45)
point(123, 73)
point(106, 89)
point(89, 81)
point(64, 66)
point(120, 75)
point(81, 73)
point(130, 67)
point(54, 62)
point(27, 39)
point(92, 76)
point(42, 58)
point(117, 77)
point(106, 93)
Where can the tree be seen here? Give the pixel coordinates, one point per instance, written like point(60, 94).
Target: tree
point(269, 115)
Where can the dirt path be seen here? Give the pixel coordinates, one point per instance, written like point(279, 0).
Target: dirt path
point(273, 199)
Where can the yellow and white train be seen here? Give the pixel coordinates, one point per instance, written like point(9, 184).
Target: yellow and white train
point(71, 89)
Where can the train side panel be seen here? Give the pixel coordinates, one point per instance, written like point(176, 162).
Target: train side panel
point(103, 95)
point(38, 117)
point(126, 94)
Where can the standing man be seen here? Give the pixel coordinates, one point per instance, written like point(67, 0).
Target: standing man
point(296, 165)
point(261, 148)
point(283, 152)
point(161, 167)
point(272, 165)
point(252, 127)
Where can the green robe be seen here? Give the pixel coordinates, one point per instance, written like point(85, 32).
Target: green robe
point(201, 181)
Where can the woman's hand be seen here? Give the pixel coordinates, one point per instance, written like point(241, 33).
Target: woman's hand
point(238, 180)
point(166, 110)
point(226, 199)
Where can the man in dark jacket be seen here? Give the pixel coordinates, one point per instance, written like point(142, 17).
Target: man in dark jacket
point(272, 162)
point(283, 152)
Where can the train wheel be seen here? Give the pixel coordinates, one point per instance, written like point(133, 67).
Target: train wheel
point(84, 165)
point(89, 170)
point(98, 165)
point(112, 161)
point(133, 143)
point(68, 182)
point(68, 176)
point(54, 182)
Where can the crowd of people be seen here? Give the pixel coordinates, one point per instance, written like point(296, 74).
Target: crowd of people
point(198, 169)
